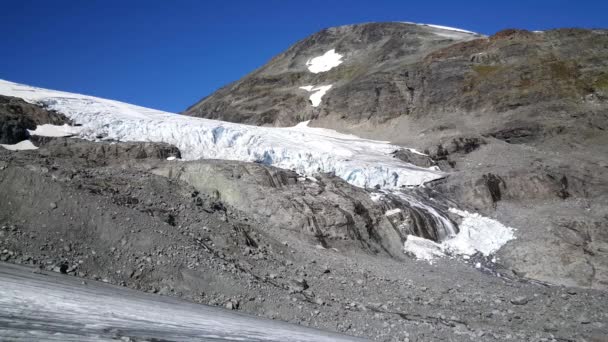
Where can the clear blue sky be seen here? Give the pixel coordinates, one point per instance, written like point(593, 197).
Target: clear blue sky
point(169, 54)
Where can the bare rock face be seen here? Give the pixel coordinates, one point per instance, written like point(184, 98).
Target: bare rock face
point(371, 83)
point(17, 116)
point(326, 211)
point(414, 158)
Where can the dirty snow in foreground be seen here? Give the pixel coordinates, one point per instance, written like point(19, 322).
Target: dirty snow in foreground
point(317, 93)
point(308, 151)
point(325, 62)
point(54, 307)
point(477, 234)
point(20, 146)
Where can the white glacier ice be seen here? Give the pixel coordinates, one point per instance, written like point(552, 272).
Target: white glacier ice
point(361, 162)
point(307, 150)
point(477, 234)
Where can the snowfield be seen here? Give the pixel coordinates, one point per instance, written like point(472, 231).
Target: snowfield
point(308, 151)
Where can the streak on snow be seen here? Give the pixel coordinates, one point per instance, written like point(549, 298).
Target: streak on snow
point(308, 151)
point(447, 28)
point(317, 93)
point(325, 62)
point(446, 31)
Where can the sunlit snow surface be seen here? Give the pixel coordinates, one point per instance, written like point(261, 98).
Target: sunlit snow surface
point(317, 93)
point(325, 62)
point(48, 130)
point(361, 162)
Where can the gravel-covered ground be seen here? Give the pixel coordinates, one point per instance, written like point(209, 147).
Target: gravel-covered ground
point(102, 214)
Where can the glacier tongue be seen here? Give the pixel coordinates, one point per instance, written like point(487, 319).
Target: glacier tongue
point(361, 162)
point(307, 150)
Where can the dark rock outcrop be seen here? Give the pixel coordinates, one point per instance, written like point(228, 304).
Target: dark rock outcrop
point(106, 152)
point(326, 210)
point(17, 116)
point(414, 158)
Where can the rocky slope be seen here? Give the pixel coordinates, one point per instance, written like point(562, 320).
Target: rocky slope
point(518, 119)
point(250, 237)
point(101, 214)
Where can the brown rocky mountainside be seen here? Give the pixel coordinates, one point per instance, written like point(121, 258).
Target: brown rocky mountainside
point(392, 70)
point(518, 119)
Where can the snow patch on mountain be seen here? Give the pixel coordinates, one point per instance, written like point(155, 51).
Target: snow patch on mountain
point(307, 150)
point(325, 62)
point(317, 93)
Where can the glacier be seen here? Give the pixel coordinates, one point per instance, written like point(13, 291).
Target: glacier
point(306, 150)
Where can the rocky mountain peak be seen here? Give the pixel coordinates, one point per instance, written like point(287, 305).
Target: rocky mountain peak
point(272, 95)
